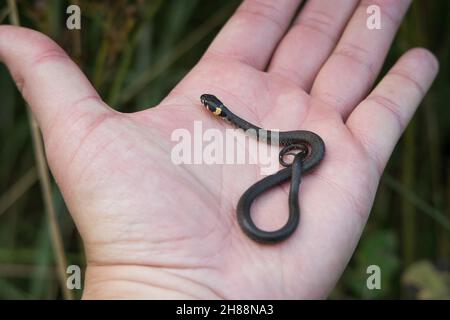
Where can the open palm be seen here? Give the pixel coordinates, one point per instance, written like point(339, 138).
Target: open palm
point(153, 229)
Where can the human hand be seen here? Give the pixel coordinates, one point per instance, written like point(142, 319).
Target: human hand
point(152, 229)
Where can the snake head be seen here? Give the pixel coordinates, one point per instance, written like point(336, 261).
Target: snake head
point(213, 104)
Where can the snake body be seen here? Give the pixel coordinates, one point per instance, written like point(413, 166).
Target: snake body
point(310, 151)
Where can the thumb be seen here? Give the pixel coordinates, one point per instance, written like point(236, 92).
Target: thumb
point(51, 83)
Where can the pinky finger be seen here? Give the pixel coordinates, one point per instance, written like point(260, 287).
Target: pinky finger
point(378, 121)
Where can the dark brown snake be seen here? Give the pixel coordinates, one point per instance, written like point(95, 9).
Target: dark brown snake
point(310, 149)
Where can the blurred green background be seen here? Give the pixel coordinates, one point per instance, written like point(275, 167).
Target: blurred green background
point(134, 52)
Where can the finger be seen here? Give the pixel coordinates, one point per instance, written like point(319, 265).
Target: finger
point(53, 85)
point(380, 119)
point(252, 33)
point(358, 57)
point(310, 40)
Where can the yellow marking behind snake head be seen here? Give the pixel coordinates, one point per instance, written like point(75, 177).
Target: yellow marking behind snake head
point(217, 112)
point(214, 105)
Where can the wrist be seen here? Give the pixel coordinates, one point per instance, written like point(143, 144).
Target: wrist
point(140, 282)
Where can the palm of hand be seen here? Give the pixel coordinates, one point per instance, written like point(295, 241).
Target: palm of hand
point(142, 202)
point(152, 228)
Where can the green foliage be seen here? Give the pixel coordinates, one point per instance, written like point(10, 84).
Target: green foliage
point(136, 51)
point(424, 281)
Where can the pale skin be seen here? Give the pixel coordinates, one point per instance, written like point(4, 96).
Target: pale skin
point(152, 229)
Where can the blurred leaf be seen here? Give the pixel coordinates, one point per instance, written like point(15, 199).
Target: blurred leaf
point(426, 281)
point(9, 291)
point(41, 261)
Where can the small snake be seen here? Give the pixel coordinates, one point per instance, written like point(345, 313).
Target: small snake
point(310, 151)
